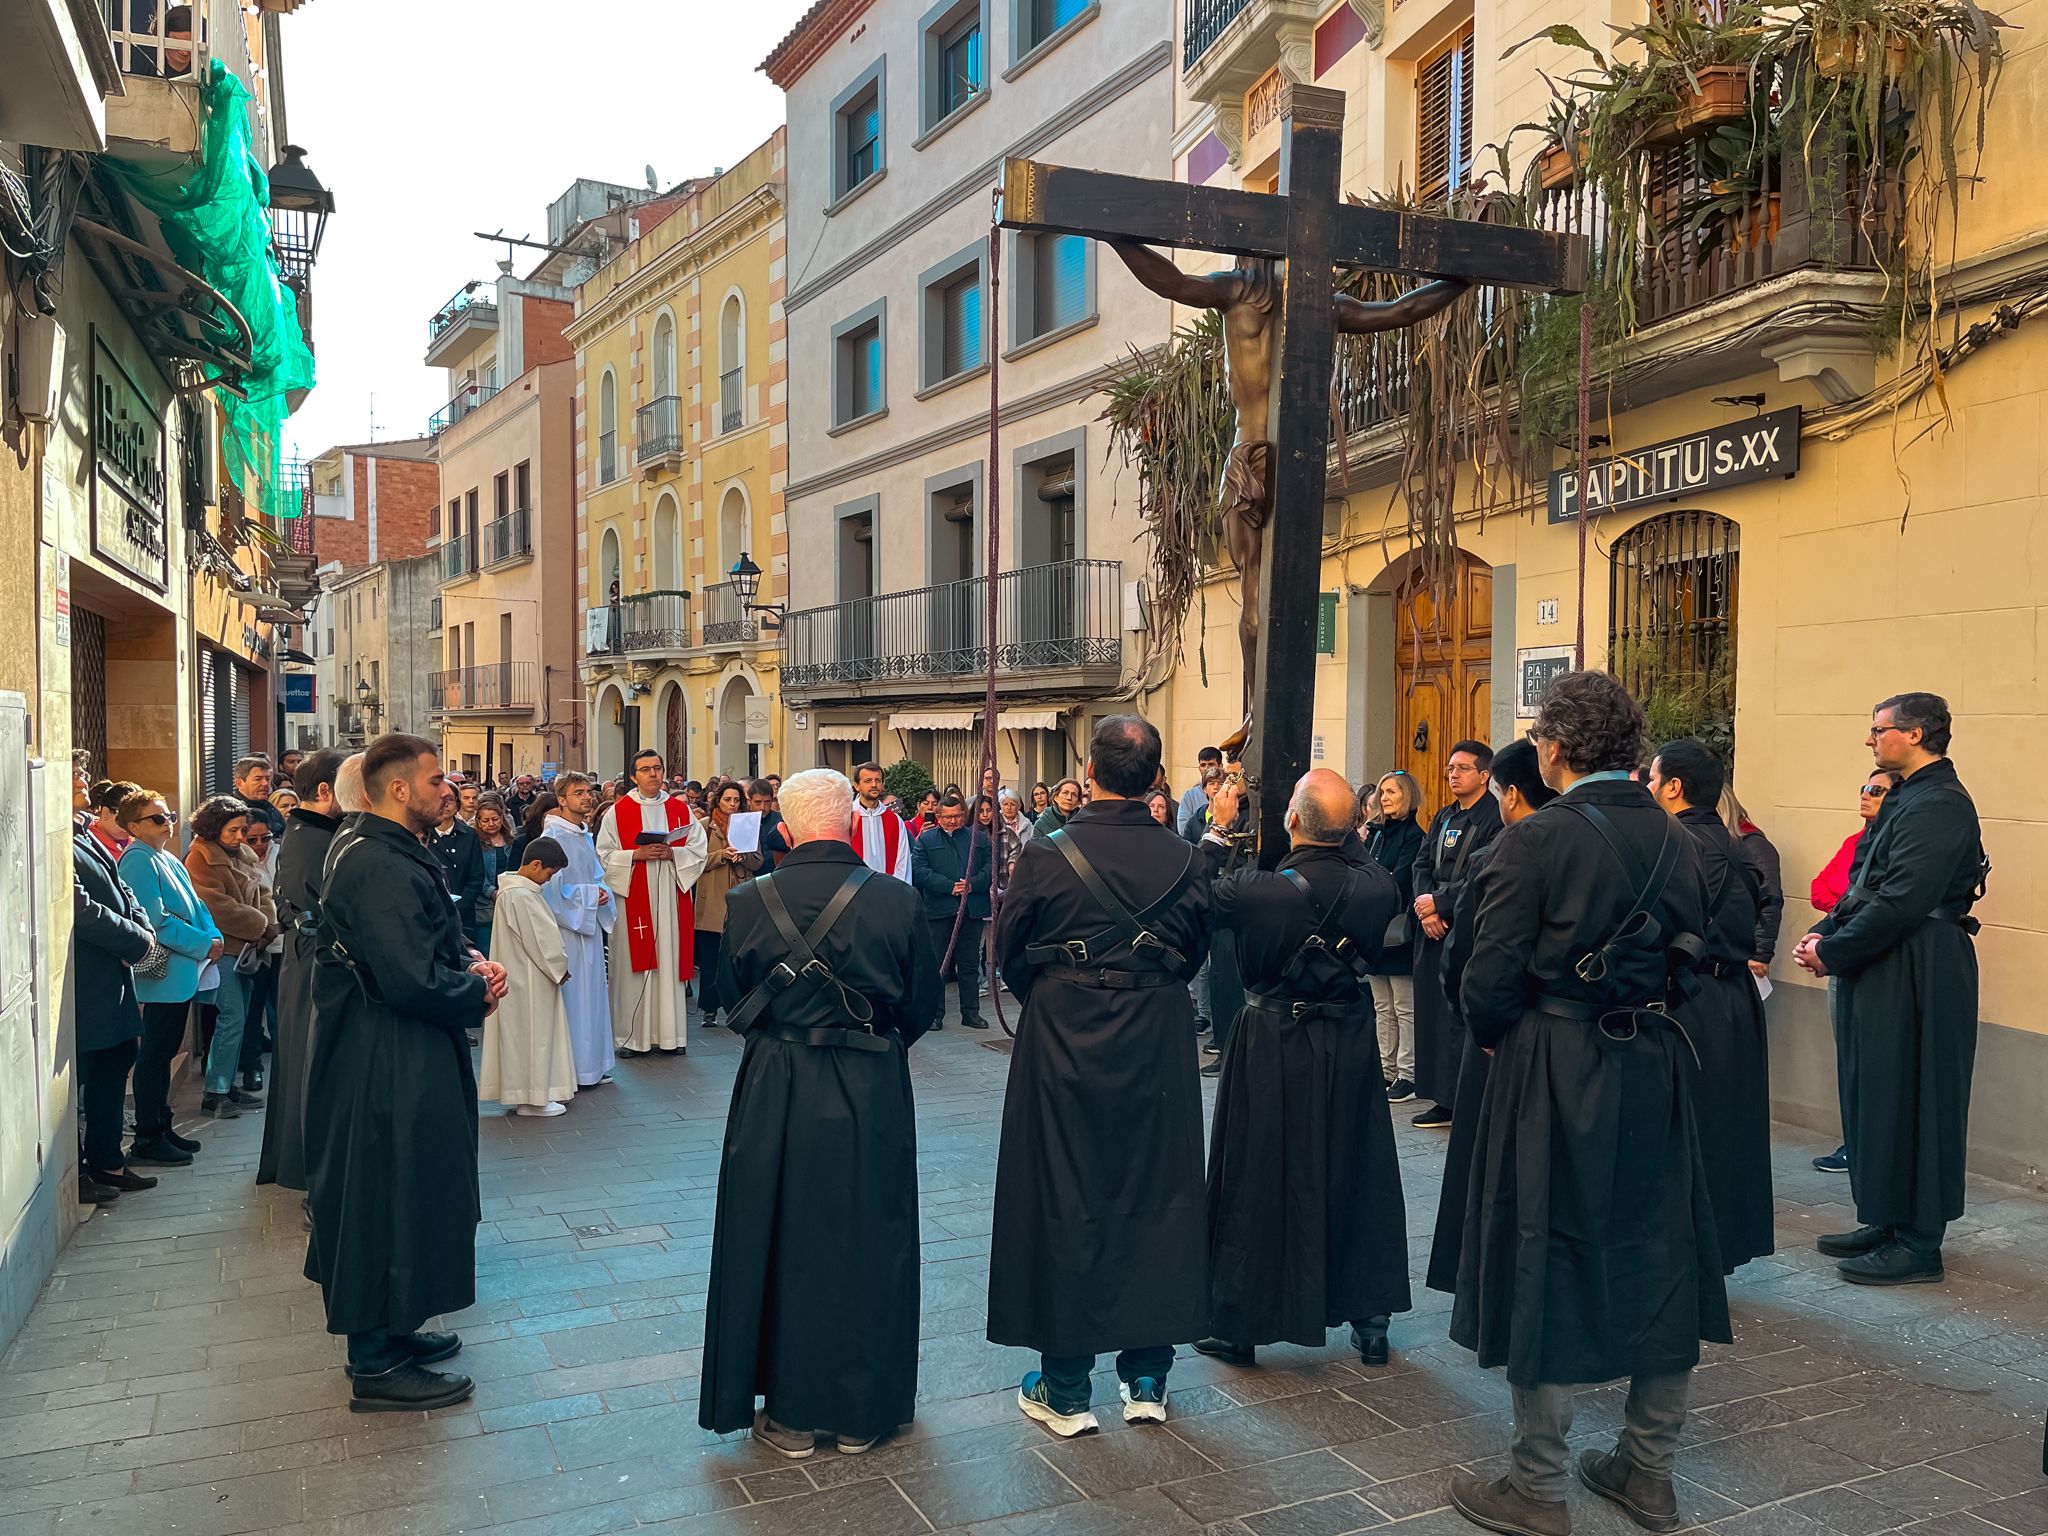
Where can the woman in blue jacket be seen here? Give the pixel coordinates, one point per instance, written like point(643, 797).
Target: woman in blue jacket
point(184, 928)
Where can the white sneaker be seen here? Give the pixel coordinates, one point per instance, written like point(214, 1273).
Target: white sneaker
point(1142, 1407)
point(542, 1111)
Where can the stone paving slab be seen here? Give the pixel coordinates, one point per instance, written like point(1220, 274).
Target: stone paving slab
point(175, 1378)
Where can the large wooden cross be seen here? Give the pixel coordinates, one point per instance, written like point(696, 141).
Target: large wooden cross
point(1308, 226)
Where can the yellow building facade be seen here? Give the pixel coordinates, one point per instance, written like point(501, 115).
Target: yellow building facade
point(682, 458)
point(1760, 507)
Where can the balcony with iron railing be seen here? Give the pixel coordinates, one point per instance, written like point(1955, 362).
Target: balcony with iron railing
point(473, 308)
point(732, 399)
point(650, 621)
point(458, 559)
point(1228, 46)
point(1057, 626)
point(357, 724)
point(466, 399)
point(1728, 282)
point(500, 688)
point(165, 50)
point(726, 619)
point(508, 538)
point(658, 435)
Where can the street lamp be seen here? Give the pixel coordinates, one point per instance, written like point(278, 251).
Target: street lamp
point(299, 206)
point(746, 581)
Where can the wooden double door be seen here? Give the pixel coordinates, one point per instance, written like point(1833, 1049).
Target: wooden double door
point(1443, 668)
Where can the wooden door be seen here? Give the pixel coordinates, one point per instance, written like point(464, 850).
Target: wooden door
point(1443, 660)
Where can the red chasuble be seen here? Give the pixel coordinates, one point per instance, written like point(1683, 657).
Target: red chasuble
point(640, 944)
point(892, 834)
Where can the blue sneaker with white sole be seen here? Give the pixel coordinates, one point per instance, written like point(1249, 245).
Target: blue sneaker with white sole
point(1034, 1396)
point(1144, 1400)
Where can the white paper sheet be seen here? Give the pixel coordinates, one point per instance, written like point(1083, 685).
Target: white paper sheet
point(743, 831)
point(1763, 986)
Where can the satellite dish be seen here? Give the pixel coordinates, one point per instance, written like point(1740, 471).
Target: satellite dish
point(653, 185)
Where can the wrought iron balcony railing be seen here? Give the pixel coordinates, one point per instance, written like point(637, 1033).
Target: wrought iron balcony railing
point(726, 620)
point(501, 686)
point(732, 399)
point(466, 399)
point(508, 538)
point(1203, 23)
point(651, 621)
point(658, 430)
point(1062, 616)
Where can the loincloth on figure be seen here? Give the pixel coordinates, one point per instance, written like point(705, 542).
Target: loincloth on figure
point(1247, 483)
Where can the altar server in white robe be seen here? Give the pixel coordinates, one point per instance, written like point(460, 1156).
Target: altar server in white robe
point(654, 939)
point(584, 906)
point(527, 1065)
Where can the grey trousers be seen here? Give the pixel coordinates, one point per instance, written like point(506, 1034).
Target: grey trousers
point(1543, 1418)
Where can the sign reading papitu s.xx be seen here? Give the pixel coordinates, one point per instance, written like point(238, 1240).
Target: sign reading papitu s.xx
point(130, 485)
point(1762, 448)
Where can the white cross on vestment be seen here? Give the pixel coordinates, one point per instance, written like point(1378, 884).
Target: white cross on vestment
point(640, 928)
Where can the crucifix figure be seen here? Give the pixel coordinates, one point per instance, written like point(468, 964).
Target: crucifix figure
point(1281, 316)
point(1248, 294)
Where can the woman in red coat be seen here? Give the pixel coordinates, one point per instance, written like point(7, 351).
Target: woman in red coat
point(1831, 885)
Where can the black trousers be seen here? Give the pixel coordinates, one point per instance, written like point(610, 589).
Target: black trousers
point(255, 1023)
point(966, 968)
point(163, 1031)
point(102, 1087)
point(707, 952)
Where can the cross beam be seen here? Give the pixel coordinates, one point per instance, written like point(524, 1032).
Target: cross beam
point(1308, 227)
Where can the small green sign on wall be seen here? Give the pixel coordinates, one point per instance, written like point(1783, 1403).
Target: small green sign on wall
point(1326, 624)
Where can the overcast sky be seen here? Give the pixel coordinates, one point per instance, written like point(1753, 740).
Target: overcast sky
point(432, 118)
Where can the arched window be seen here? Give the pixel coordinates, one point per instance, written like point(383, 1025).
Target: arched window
point(732, 363)
point(608, 566)
point(668, 545)
point(732, 527)
point(607, 429)
point(1671, 616)
point(664, 357)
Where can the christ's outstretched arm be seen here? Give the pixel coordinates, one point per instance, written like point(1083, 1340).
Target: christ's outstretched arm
point(1197, 290)
point(1359, 315)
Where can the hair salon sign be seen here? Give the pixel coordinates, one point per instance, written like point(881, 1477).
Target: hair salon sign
point(130, 485)
point(1762, 448)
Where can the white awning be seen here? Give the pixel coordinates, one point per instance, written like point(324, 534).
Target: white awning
point(936, 720)
point(830, 730)
point(1028, 720)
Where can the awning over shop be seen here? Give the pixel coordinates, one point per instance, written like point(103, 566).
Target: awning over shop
point(935, 720)
point(1028, 720)
point(835, 730)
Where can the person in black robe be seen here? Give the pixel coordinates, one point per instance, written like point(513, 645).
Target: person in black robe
point(1307, 1228)
point(1724, 1016)
point(301, 873)
point(1589, 1249)
point(1442, 866)
point(1100, 1241)
point(1518, 786)
point(391, 1152)
point(817, 1188)
point(1903, 943)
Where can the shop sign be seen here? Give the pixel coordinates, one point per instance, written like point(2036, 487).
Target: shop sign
point(1537, 667)
point(130, 486)
point(298, 693)
point(760, 721)
point(61, 605)
point(1762, 448)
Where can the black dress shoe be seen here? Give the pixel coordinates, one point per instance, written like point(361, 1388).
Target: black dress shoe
point(171, 1138)
point(1213, 1067)
point(1893, 1264)
point(158, 1154)
point(1847, 1245)
point(1652, 1502)
point(123, 1180)
point(1372, 1347)
point(1229, 1353)
point(974, 1023)
point(92, 1192)
point(252, 1082)
point(427, 1349)
point(245, 1099)
point(409, 1389)
point(1435, 1118)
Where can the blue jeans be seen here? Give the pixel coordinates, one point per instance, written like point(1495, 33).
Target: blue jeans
point(224, 1056)
point(1066, 1376)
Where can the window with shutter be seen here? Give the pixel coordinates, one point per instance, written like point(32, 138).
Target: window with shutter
point(1059, 282)
point(1045, 17)
point(959, 66)
point(1443, 117)
point(960, 314)
point(863, 140)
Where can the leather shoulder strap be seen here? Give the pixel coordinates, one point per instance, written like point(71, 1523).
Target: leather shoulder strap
point(1128, 927)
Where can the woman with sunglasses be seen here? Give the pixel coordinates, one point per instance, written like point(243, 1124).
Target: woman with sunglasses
point(222, 872)
point(1831, 885)
point(186, 930)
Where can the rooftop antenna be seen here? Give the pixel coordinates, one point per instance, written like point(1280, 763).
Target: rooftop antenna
point(373, 415)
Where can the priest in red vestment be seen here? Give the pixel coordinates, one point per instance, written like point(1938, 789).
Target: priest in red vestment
point(654, 938)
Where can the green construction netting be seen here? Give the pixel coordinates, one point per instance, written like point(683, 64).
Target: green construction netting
point(216, 220)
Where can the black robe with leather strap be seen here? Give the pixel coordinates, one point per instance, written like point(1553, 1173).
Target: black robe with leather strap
point(1307, 1228)
point(1589, 1247)
point(1100, 1239)
point(301, 871)
point(1908, 1013)
point(813, 1302)
point(1442, 867)
point(1448, 1240)
point(1731, 1082)
point(390, 1107)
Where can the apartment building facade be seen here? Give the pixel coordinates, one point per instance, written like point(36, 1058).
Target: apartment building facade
point(899, 114)
point(682, 384)
point(1760, 509)
point(383, 645)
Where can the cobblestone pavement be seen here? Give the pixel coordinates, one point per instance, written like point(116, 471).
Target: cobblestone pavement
point(175, 1380)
